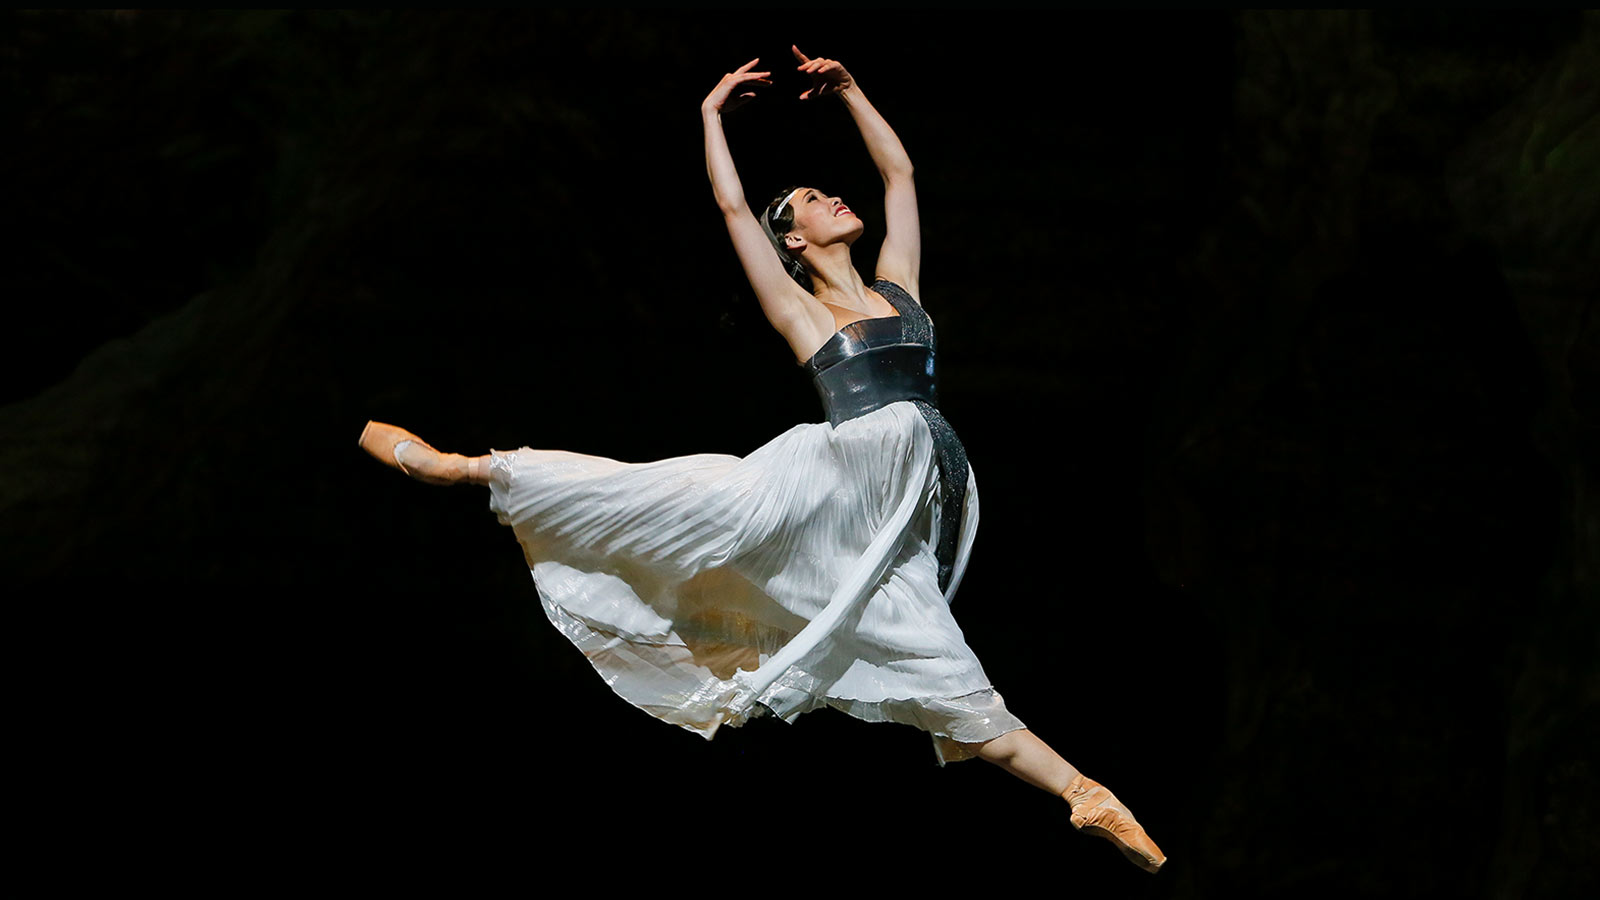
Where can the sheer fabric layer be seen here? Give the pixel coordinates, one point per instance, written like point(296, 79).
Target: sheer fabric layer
point(705, 588)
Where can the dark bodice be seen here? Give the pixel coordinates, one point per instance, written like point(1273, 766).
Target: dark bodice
point(871, 363)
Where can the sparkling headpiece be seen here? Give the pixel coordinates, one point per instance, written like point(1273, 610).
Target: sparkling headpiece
point(766, 225)
point(779, 211)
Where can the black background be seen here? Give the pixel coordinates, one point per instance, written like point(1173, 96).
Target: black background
point(1270, 336)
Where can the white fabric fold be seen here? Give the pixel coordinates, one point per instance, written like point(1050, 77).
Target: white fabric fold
point(706, 588)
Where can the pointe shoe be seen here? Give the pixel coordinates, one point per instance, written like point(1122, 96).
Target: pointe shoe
point(388, 444)
point(1097, 811)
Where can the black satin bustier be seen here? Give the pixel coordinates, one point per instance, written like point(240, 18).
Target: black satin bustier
point(870, 364)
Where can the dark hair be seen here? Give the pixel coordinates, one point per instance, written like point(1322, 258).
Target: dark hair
point(776, 228)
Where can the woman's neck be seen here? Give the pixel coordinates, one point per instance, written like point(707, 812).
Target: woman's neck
point(836, 281)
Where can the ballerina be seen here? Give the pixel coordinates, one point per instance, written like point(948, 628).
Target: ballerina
point(818, 570)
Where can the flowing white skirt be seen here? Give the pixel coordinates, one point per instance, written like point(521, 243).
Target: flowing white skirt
point(706, 588)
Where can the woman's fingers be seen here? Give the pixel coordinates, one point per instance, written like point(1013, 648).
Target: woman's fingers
point(821, 67)
point(735, 87)
point(828, 75)
point(737, 97)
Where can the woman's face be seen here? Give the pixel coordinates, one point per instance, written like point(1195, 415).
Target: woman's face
point(820, 219)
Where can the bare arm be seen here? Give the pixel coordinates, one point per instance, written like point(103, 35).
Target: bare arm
point(900, 260)
point(785, 304)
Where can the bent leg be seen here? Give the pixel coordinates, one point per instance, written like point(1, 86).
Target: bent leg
point(400, 449)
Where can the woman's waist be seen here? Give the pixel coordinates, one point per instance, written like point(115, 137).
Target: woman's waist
point(874, 379)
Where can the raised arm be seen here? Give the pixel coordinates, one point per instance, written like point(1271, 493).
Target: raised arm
point(900, 260)
point(783, 301)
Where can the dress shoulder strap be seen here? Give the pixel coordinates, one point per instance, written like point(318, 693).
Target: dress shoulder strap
point(894, 289)
point(917, 326)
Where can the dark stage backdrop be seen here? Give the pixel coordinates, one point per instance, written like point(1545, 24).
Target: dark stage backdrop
point(1271, 337)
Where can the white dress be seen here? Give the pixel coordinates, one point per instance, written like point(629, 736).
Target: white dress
point(705, 589)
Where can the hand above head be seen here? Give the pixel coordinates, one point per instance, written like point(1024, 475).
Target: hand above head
point(735, 88)
point(828, 76)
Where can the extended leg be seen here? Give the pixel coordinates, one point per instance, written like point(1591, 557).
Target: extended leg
point(1022, 754)
point(1095, 810)
point(400, 449)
